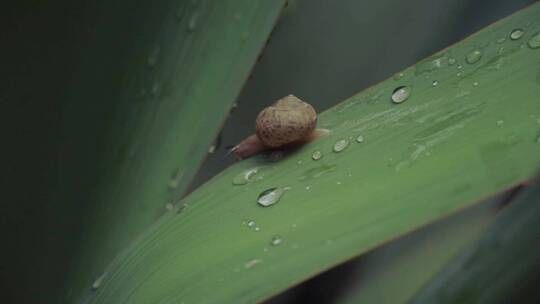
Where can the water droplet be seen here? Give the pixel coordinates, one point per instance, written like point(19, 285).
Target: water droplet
point(245, 176)
point(317, 155)
point(534, 41)
point(308, 187)
point(341, 145)
point(276, 240)
point(451, 61)
point(459, 74)
point(339, 183)
point(250, 223)
point(97, 282)
point(475, 84)
point(501, 40)
point(169, 207)
point(516, 34)
point(435, 83)
point(271, 196)
point(398, 76)
point(252, 263)
point(459, 67)
point(360, 139)
point(212, 149)
point(153, 57)
point(256, 228)
point(431, 64)
point(500, 122)
point(175, 179)
point(192, 24)
point(299, 162)
point(473, 56)
point(401, 94)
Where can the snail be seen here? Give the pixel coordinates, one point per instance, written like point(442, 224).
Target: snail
point(288, 122)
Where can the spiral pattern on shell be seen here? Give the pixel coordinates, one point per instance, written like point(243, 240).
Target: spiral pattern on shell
point(286, 121)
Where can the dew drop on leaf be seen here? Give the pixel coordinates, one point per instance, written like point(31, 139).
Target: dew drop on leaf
point(271, 196)
point(473, 56)
point(401, 94)
point(341, 145)
point(97, 282)
point(516, 34)
point(316, 155)
point(534, 41)
point(245, 176)
point(276, 240)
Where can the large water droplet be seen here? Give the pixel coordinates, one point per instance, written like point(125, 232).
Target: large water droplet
point(317, 155)
point(534, 41)
point(360, 139)
point(271, 196)
point(474, 56)
point(276, 240)
point(341, 145)
point(516, 34)
point(97, 282)
point(245, 176)
point(401, 94)
point(153, 57)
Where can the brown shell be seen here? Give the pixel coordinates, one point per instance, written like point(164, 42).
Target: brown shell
point(286, 121)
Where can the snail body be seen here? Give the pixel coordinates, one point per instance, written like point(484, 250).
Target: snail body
point(289, 121)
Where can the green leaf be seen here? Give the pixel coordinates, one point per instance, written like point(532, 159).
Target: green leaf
point(501, 267)
point(394, 272)
point(153, 86)
point(468, 130)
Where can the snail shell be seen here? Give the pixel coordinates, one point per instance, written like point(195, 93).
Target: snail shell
point(287, 121)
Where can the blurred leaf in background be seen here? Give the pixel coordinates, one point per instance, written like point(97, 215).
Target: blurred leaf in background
point(102, 104)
